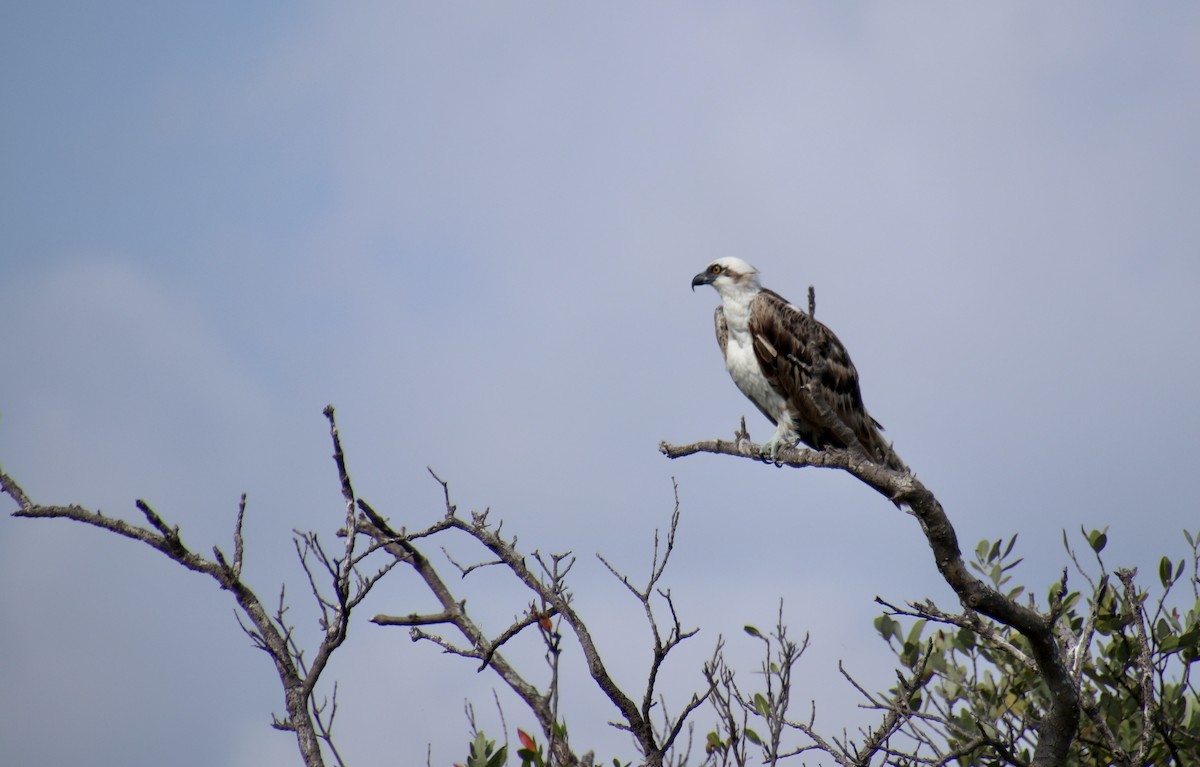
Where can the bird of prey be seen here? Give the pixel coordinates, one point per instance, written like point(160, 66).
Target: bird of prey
point(789, 365)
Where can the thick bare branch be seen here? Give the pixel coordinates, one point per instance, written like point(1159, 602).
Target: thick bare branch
point(1057, 729)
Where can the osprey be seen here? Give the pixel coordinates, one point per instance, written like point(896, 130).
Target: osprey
point(783, 359)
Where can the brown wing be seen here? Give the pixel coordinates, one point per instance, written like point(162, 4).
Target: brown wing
point(722, 329)
point(794, 350)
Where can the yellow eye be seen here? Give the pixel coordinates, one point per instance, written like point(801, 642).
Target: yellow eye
point(714, 269)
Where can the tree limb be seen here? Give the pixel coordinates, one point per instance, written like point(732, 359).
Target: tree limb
point(167, 540)
point(1057, 729)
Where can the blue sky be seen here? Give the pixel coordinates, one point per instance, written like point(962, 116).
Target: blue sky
point(471, 228)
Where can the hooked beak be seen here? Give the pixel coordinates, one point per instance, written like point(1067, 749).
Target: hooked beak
point(703, 278)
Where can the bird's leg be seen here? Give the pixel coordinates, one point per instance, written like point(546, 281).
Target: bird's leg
point(784, 437)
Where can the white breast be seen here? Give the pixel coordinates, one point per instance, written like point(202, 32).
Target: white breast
point(743, 365)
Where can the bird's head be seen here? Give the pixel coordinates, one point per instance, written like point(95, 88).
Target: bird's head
point(729, 276)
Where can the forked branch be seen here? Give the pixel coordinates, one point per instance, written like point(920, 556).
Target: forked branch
point(311, 720)
point(544, 577)
point(262, 628)
point(1057, 729)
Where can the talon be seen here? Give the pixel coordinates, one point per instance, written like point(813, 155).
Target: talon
point(770, 448)
point(770, 454)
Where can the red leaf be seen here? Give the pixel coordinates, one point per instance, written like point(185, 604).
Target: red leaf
point(526, 740)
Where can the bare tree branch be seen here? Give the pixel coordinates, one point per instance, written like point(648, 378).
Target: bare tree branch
point(400, 546)
point(167, 540)
point(312, 722)
point(1057, 729)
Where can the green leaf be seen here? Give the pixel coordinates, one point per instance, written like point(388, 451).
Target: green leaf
point(1107, 624)
point(885, 626)
point(499, 758)
point(1011, 565)
point(914, 634)
point(480, 751)
point(753, 737)
point(1070, 600)
point(1055, 592)
point(752, 631)
point(1098, 539)
point(1190, 638)
point(965, 639)
point(995, 552)
point(761, 705)
point(1165, 568)
point(982, 549)
point(1011, 542)
point(1162, 628)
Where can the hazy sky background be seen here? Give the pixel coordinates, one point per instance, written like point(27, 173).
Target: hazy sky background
point(471, 227)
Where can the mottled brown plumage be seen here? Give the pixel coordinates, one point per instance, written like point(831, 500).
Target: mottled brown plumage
point(797, 363)
point(795, 350)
